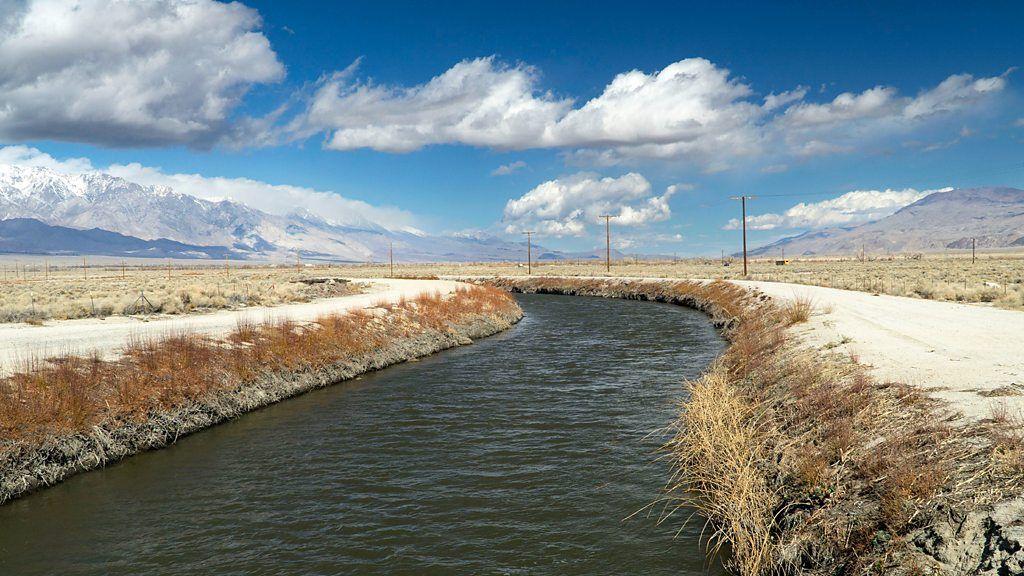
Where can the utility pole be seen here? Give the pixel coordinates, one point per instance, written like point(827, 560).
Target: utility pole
point(743, 201)
point(529, 251)
point(391, 257)
point(607, 242)
point(85, 268)
point(973, 253)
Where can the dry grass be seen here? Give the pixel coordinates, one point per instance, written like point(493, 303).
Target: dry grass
point(35, 295)
point(841, 470)
point(1006, 429)
point(797, 310)
point(849, 467)
point(718, 469)
point(31, 293)
point(70, 394)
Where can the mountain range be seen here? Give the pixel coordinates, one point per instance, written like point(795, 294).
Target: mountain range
point(43, 211)
point(992, 217)
point(30, 236)
point(157, 221)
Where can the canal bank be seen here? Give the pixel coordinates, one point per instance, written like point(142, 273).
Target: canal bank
point(76, 414)
point(801, 463)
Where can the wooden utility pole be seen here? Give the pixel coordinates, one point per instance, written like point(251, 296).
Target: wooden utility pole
point(743, 203)
point(607, 242)
point(391, 257)
point(298, 261)
point(122, 269)
point(974, 257)
point(85, 268)
point(529, 251)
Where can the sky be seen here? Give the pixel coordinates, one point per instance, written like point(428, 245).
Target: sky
point(497, 118)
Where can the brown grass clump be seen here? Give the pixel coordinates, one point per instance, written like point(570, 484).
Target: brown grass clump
point(1006, 429)
point(720, 470)
point(71, 394)
point(797, 310)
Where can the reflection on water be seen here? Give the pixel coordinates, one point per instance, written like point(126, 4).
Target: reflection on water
point(521, 454)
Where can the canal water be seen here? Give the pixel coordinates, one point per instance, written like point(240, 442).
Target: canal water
point(526, 453)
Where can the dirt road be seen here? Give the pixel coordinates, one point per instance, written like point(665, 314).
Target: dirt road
point(969, 355)
point(21, 342)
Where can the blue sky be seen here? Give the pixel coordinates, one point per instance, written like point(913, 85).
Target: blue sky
point(664, 154)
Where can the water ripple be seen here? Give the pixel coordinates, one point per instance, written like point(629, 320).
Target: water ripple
point(521, 454)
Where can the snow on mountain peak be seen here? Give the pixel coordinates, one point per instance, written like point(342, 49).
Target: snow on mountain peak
point(97, 200)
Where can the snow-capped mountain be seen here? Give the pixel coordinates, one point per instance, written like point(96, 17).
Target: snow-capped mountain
point(96, 200)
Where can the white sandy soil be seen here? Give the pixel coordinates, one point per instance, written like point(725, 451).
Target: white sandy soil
point(969, 355)
point(21, 342)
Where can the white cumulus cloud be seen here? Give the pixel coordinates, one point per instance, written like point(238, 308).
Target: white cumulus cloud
point(477, 102)
point(812, 129)
point(689, 107)
point(128, 73)
point(854, 207)
point(568, 206)
point(692, 110)
point(506, 169)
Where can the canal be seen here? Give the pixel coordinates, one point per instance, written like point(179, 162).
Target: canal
point(526, 453)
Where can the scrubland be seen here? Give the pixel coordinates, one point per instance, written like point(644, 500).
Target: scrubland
point(33, 291)
point(36, 292)
point(994, 279)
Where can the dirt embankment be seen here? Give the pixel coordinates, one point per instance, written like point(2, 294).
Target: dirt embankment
point(427, 326)
point(20, 343)
point(802, 463)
